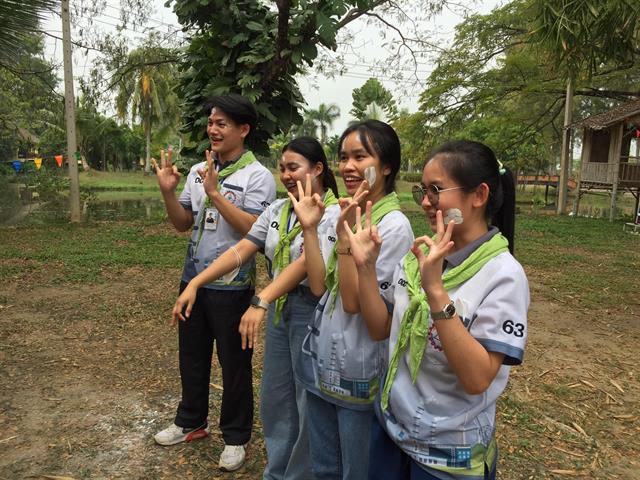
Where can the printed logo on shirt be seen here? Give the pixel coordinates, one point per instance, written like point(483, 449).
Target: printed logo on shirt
point(402, 282)
point(275, 224)
point(265, 204)
point(331, 239)
point(198, 179)
point(384, 285)
point(230, 195)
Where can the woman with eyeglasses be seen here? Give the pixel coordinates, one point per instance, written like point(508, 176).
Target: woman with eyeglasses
point(456, 318)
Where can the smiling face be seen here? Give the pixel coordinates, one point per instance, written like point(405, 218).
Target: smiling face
point(226, 136)
point(435, 174)
point(294, 167)
point(354, 160)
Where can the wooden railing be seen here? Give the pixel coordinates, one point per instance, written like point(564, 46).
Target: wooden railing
point(604, 173)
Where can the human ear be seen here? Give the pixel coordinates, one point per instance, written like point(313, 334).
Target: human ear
point(481, 195)
point(244, 130)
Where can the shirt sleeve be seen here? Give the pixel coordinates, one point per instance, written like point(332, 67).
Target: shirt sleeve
point(185, 195)
point(397, 238)
point(500, 321)
point(327, 231)
point(260, 192)
point(260, 228)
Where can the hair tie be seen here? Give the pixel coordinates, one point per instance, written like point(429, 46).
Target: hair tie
point(501, 169)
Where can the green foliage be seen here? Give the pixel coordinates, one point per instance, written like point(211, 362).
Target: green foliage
point(19, 20)
point(246, 47)
point(323, 117)
point(370, 94)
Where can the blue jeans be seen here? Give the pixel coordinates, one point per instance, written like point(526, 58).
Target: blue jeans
point(282, 399)
point(387, 461)
point(339, 439)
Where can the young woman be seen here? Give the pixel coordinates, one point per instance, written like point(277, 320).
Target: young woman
point(340, 365)
point(456, 317)
point(279, 235)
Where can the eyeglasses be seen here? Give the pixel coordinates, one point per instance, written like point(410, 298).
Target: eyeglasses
point(431, 191)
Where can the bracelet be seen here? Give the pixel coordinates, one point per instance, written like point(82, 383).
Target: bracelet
point(238, 257)
point(343, 252)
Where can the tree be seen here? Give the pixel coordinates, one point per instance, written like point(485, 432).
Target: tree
point(324, 116)
point(145, 90)
point(249, 48)
point(307, 128)
point(372, 97)
point(19, 20)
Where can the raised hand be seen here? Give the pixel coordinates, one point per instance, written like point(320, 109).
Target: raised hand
point(348, 208)
point(309, 206)
point(439, 247)
point(250, 326)
point(186, 299)
point(209, 176)
point(167, 173)
point(365, 243)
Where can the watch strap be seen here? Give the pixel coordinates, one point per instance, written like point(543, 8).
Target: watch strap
point(447, 312)
point(257, 302)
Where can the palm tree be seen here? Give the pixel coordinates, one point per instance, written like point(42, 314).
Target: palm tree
point(324, 117)
point(146, 90)
point(19, 20)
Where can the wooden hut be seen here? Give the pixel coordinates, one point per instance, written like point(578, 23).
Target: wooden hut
point(607, 162)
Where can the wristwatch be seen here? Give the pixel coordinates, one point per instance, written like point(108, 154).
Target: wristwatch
point(257, 302)
point(447, 312)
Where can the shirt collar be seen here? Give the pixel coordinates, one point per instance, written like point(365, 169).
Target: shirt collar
point(461, 255)
point(219, 167)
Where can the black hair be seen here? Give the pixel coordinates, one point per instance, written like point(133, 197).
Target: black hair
point(471, 163)
point(311, 149)
point(382, 140)
point(237, 108)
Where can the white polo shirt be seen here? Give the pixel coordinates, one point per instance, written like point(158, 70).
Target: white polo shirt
point(340, 362)
point(433, 420)
point(265, 235)
point(251, 189)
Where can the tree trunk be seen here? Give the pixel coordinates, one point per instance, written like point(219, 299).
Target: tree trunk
point(147, 161)
point(565, 158)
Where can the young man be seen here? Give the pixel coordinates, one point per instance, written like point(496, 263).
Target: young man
point(222, 204)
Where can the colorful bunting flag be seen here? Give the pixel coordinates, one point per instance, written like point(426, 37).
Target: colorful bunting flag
point(17, 165)
point(38, 162)
point(59, 160)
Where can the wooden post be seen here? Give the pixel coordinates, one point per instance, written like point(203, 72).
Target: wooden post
point(566, 154)
point(585, 155)
point(614, 158)
point(70, 115)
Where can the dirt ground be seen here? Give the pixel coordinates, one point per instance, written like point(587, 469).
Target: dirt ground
point(89, 373)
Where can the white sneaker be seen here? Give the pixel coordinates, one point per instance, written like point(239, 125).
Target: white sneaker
point(175, 434)
point(232, 457)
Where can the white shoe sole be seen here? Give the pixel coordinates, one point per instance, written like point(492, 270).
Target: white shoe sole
point(195, 435)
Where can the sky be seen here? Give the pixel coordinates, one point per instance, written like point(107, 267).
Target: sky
point(367, 61)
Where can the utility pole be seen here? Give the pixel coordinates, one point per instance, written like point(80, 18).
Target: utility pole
point(70, 115)
point(566, 155)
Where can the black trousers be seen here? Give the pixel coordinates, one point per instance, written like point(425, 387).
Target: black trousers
point(215, 317)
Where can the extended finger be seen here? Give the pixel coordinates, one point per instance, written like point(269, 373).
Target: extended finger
point(293, 199)
point(307, 192)
point(243, 333)
point(359, 196)
point(163, 161)
point(439, 224)
point(367, 216)
point(300, 189)
point(154, 164)
point(250, 328)
point(358, 219)
point(169, 154)
point(448, 232)
point(375, 235)
point(209, 160)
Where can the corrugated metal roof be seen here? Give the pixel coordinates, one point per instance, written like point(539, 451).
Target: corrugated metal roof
point(610, 117)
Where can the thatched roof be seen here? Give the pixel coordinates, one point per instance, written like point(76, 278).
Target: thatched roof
point(610, 117)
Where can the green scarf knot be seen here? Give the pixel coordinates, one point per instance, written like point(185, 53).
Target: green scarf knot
point(282, 253)
point(414, 325)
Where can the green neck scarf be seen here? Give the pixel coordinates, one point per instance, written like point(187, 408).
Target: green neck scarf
point(415, 321)
point(282, 253)
point(247, 158)
point(386, 204)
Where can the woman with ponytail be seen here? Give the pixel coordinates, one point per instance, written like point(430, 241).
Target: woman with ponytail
point(279, 235)
point(340, 364)
point(456, 318)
